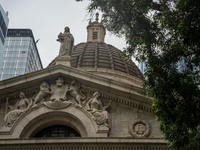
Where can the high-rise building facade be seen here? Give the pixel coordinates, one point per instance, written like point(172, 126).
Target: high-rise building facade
point(3, 31)
point(21, 55)
point(142, 67)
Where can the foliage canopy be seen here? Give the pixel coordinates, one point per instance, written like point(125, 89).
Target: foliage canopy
point(166, 35)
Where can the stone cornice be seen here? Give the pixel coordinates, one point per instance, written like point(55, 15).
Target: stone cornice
point(84, 144)
point(85, 140)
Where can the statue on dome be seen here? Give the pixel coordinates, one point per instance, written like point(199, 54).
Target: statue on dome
point(67, 43)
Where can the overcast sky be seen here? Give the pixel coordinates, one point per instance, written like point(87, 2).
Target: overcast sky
point(47, 18)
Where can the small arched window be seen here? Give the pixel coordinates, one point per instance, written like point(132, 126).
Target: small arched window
point(57, 131)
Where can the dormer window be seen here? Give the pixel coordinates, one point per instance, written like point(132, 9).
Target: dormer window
point(95, 34)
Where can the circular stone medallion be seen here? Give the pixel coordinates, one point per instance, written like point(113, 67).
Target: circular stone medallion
point(139, 128)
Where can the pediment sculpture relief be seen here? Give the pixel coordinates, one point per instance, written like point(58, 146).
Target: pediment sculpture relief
point(59, 90)
point(20, 107)
point(99, 112)
point(43, 93)
point(59, 96)
point(74, 91)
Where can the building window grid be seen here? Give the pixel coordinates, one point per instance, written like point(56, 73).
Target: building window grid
point(2, 74)
point(16, 52)
point(33, 65)
point(10, 55)
point(17, 64)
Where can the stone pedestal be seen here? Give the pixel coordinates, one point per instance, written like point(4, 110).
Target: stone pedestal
point(63, 60)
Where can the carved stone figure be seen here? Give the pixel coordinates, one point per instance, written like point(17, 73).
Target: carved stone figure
point(67, 42)
point(139, 128)
point(44, 92)
point(58, 91)
point(96, 108)
point(21, 106)
point(75, 92)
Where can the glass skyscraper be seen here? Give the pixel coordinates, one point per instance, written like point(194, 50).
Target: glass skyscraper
point(142, 67)
point(3, 32)
point(21, 55)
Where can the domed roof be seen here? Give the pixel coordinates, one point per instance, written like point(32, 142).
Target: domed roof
point(97, 57)
point(102, 55)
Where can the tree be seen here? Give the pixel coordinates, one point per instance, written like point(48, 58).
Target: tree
point(164, 33)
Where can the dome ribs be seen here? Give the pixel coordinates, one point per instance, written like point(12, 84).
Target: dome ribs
point(76, 54)
point(103, 57)
point(96, 55)
point(81, 55)
point(110, 55)
point(125, 64)
point(88, 59)
point(134, 70)
point(117, 59)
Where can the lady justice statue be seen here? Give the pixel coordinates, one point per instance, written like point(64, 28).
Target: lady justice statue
point(67, 43)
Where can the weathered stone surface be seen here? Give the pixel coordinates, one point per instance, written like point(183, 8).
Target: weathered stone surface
point(122, 109)
point(67, 43)
point(92, 89)
point(63, 60)
point(85, 144)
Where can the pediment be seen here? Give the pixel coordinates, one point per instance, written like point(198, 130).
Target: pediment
point(121, 107)
point(110, 89)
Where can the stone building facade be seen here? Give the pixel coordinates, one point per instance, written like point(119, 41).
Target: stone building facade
point(91, 99)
